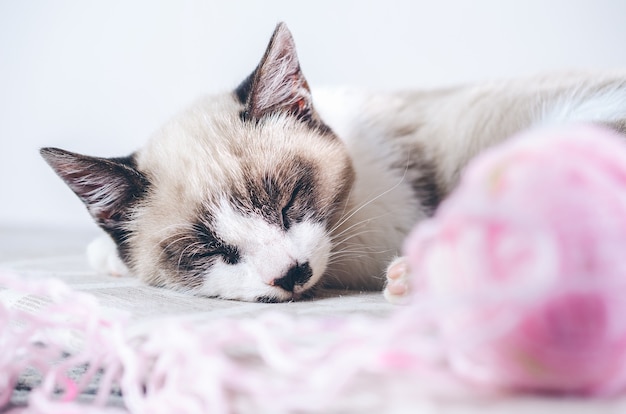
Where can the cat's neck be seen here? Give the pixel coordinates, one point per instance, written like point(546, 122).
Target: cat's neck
point(382, 205)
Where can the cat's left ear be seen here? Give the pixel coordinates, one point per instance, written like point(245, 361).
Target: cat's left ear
point(107, 186)
point(277, 85)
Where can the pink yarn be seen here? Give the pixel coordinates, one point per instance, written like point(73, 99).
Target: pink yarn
point(274, 363)
point(72, 323)
point(517, 284)
point(530, 255)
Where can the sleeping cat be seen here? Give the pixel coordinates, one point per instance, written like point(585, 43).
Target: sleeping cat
point(266, 192)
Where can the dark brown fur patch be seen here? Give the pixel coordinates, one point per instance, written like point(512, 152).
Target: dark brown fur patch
point(187, 255)
point(422, 174)
point(281, 197)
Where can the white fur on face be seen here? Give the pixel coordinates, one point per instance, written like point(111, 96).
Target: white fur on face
point(267, 252)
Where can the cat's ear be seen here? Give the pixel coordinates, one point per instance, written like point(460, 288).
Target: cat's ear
point(277, 85)
point(107, 186)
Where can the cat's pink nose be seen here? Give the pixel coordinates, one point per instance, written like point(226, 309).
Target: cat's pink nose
point(298, 274)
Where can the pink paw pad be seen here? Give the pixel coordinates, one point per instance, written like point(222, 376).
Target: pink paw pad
point(397, 286)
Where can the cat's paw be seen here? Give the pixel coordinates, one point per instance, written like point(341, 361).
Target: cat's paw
point(397, 289)
point(102, 256)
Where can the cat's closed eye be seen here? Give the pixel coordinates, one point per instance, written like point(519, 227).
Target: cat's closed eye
point(230, 255)
point(211, 247)
point(287, 213)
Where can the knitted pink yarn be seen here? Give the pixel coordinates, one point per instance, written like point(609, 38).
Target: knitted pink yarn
point(529, 254)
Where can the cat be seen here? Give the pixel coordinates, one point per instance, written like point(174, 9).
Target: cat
point(267, 193)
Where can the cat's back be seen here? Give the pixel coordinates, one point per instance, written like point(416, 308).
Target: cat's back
point(451, 125)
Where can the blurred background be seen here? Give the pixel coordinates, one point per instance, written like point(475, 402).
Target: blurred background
point(98, 77)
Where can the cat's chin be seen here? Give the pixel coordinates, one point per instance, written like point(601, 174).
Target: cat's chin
point(269, 294)
point(289, 297)
point(273, 299)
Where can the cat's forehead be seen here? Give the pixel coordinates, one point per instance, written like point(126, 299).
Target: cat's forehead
point(212, 134)
point(208, 153)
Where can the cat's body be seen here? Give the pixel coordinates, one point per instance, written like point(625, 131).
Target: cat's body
point(255, 195)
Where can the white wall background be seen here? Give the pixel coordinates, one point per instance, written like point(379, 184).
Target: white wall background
point(99, 76)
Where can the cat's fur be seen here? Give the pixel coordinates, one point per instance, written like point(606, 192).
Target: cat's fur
point(257, 195)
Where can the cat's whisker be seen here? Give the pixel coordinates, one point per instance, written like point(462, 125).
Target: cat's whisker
point(348, 253)
point(362, 252)
point(346, 203)
point(347, 258)
point(179, 234)
point(354, 226)
point(343, 220)
point(355, 254)
point(182, 253)
point(354, 230)
point(178, 239)
point(357, 224)
point(360, 248)
point(344, 242)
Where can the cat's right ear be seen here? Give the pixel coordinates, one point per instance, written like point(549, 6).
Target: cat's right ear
point(107, 186)
point(278, 85)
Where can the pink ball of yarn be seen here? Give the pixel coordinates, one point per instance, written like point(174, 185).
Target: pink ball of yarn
point(526, 262)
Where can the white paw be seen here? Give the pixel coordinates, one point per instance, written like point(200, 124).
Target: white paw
point(397, 289)
point(102, 256)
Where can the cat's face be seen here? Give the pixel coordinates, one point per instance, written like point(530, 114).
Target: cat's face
point(235, 198)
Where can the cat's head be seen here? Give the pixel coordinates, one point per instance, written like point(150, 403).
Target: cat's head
point(235, 198)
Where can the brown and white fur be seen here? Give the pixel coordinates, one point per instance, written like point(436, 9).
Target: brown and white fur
point(260, 195)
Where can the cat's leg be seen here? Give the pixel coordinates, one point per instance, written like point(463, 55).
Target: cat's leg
point(397, 285)
point(102, 256)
